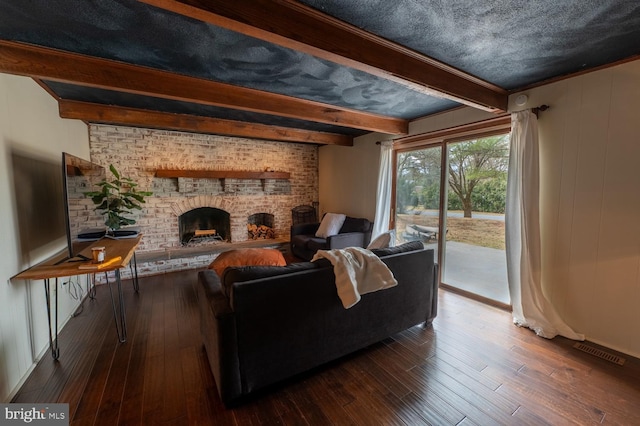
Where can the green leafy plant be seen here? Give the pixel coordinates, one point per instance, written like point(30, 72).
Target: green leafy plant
point(117, 198)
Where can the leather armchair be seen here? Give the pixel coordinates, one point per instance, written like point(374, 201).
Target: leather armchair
point(355, 232)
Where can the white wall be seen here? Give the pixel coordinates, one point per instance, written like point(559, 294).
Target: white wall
point(590, 201)
point(29, 122)
point(348, 177)
point(590, 196)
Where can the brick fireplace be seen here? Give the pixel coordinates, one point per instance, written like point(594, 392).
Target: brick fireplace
point(140, 153)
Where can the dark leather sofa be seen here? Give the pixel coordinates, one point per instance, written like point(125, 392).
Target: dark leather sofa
point(263, 324)
point(355, 232)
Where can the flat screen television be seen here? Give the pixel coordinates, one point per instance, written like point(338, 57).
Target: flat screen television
point(39, 208)
point(82, 222)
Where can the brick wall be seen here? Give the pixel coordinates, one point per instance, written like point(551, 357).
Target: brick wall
point(138, 153)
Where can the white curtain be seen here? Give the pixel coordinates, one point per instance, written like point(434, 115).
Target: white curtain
point(530, 306)
point(383, 197)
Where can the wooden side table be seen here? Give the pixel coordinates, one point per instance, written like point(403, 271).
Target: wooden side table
point(119, 253)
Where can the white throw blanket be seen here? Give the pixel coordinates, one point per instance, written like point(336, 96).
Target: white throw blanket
point(358, 271)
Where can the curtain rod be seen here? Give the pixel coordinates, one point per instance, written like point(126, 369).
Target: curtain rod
point(539, 109)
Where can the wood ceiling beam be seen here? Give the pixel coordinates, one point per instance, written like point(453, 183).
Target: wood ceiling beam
point(50, 64)
point(302, 28)
point(100, 113)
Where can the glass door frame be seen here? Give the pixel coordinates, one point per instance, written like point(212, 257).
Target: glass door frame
point(442, 138)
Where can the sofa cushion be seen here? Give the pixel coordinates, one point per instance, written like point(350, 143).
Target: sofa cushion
point(355, 224)
point(236, 274)
point(330, 225)
point(247, 256)
point(384, 240)
point(402, 248)
point(248, 273)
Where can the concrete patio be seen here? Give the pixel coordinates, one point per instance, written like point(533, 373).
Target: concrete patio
point(479, 270)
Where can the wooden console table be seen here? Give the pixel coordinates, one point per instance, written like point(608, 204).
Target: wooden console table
point(122, 248)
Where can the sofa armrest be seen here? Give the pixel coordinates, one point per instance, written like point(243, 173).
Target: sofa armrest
point(304, 229)
point(218, 331)
point(349, 239)
point(212, 291)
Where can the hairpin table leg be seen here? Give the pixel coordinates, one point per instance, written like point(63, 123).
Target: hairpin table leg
point(134, 273)
point(119, 315)
point(53, 339)
point(91, 286)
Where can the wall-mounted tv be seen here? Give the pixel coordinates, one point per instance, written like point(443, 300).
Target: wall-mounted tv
point(40, 212)
point(83, 223)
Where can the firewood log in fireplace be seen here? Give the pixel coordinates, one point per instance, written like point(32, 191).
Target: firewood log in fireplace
point(257, 232)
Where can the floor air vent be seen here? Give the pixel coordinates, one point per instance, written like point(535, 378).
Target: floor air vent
point(599, 353)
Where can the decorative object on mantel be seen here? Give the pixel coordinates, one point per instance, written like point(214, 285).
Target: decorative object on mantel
point(117, 198)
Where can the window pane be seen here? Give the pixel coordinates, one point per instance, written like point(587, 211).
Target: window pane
point(418, 195)
point(474, 253)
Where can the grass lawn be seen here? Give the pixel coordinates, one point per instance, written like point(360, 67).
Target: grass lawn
point(480, 232)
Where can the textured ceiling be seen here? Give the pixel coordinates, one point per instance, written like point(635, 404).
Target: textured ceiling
point(510, 44)
point(140, 34)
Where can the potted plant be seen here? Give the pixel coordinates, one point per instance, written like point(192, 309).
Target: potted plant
point(116, 198)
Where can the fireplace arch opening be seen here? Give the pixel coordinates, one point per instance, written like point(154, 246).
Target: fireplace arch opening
point(204, 224)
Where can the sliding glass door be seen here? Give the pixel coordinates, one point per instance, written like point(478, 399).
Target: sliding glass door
point(451, 197)
point(474, 245)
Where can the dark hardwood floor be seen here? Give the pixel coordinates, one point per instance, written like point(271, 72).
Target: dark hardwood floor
point(473, 367)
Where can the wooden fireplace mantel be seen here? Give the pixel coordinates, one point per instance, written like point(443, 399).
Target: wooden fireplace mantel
point(221, 174)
